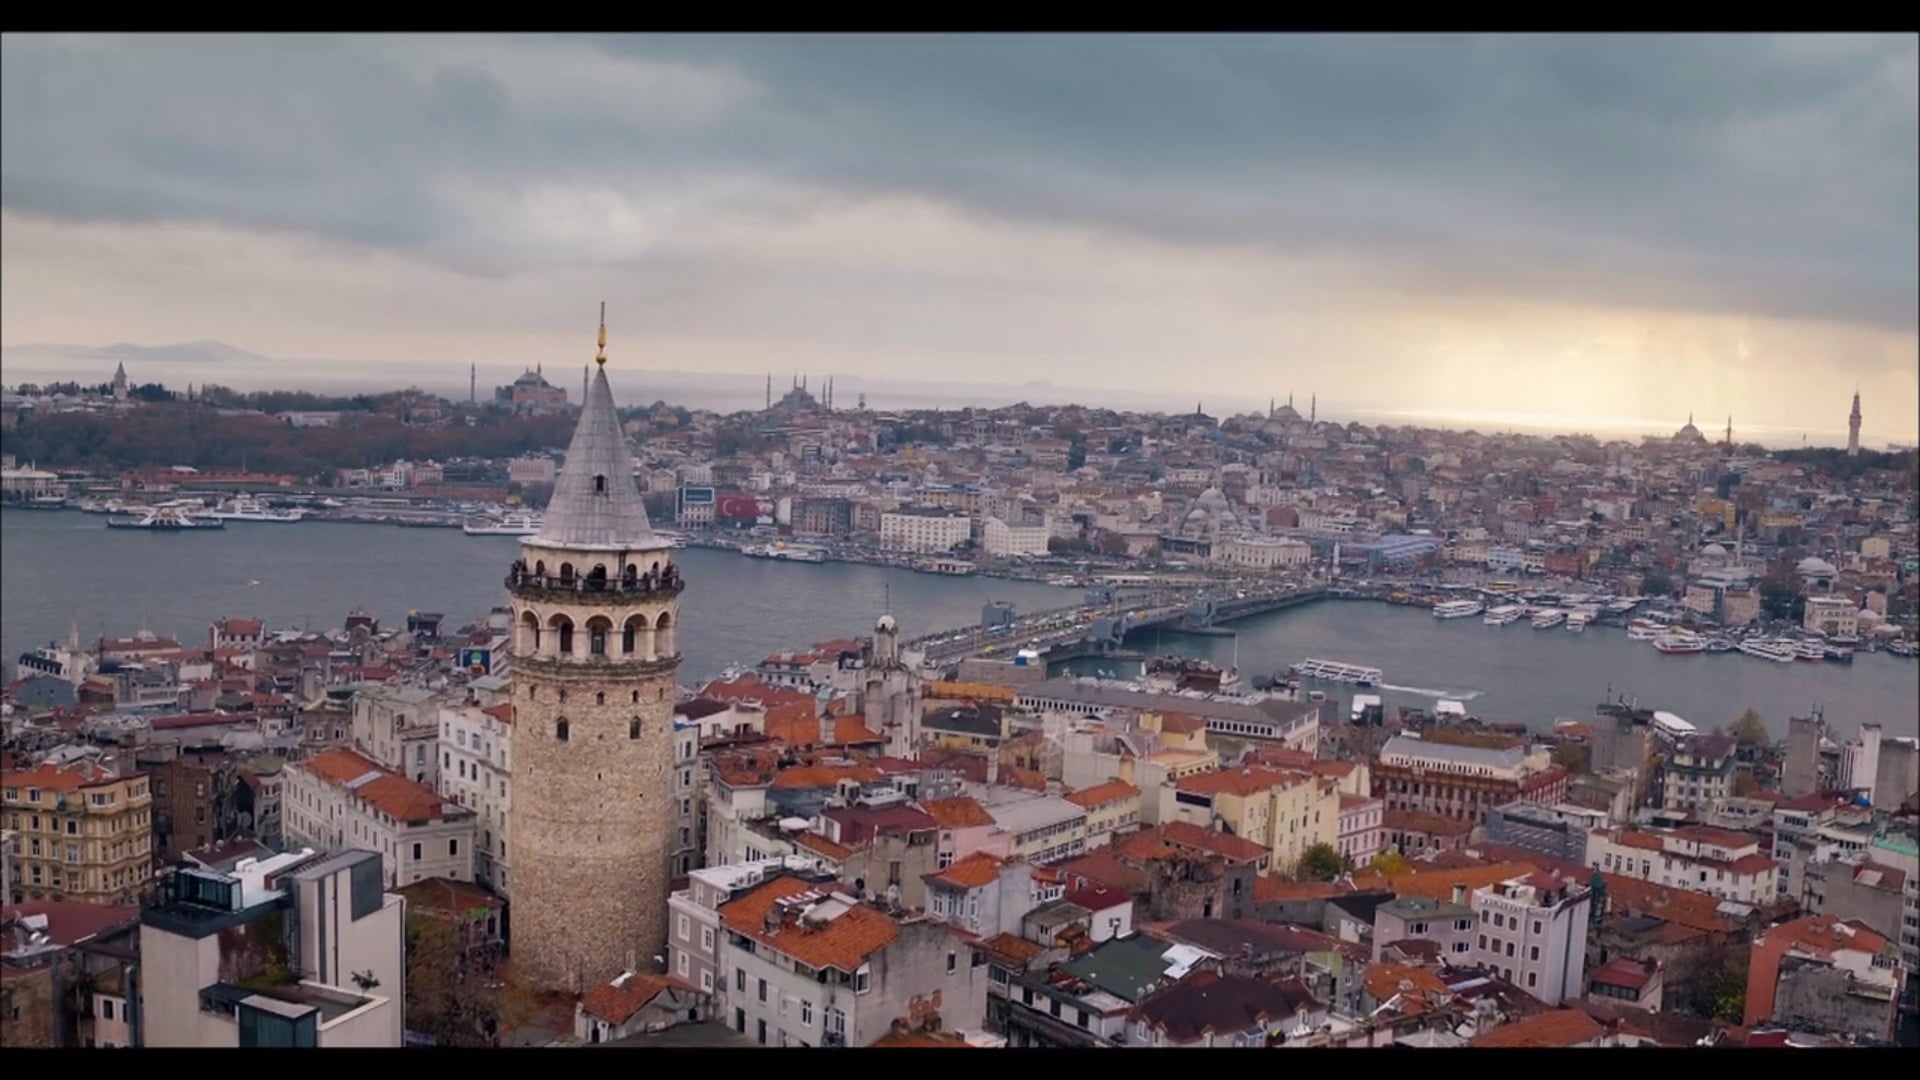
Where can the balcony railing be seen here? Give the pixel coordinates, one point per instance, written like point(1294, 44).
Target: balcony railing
point(666, 583)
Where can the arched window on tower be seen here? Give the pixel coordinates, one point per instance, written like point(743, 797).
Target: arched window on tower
point(663, 635)
point(563, 635)
point(529, 644)
point(599, 484)
point(630, 634)
point(633, 728)
point(599, 697)
point(597, 629)
point(636, 697)
point(561, 729)
point(566, 571)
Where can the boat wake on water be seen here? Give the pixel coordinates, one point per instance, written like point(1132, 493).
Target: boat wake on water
point(1420, 691)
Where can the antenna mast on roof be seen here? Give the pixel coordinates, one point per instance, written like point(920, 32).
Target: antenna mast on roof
point(601, 357)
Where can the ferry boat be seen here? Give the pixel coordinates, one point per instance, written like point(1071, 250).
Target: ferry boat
point(1811, 651)
point(247, 508)
point(1767, 650)
point(1679, 643)
point(166, 519)
point(511, 525)
point(1577, 621)
point(1548, 619)
point(1644, 630)
point(1837, 655)
point(1336, 671)
point(1719, 645)
point(1504, 615)
point(784, 551)
point(1457, 609)
point(1903, 650)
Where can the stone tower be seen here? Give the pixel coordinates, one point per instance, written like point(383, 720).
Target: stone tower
point(891, 701)
point(595, 599)
point(1853, 427)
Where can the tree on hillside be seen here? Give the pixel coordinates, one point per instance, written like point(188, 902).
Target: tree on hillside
point(1571, 757)
point(1749, 731)
point(1319, 863)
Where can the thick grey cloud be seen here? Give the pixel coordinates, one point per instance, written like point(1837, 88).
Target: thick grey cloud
point(1770, 177)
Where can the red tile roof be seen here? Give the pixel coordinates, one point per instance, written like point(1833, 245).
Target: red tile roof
point(388, 792)
point(959, 812)
point(1548, 1030)
point(616, 1002)
point(973, 872)
point(1101, 794)
point(843, 943)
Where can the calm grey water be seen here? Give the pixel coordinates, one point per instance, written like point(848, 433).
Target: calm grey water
point(55, 567)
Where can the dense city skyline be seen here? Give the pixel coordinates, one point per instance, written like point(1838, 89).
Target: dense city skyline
point(1590, 228)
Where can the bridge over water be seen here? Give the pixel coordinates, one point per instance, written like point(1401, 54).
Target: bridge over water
point(1102, 626)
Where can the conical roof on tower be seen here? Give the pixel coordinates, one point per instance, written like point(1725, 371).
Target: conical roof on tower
point(595, 501)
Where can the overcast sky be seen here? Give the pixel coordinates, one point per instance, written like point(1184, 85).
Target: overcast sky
point(1584, 225)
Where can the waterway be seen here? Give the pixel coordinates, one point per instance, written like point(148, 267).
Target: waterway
point(58, 568)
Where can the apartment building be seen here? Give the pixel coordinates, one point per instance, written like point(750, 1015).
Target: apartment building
point(83, 830)
point(66, 969)
point(924, 529)
point(342, 799)
point(1042, 828)
point(1834, 616)
point(398, 726)
point(1533, 930)
point(476, 770)
point(1694, 772)
point(966, 828)
point(693, 941)
point(1449, 926)
point(1461, 780)
point(1697, 858)
point(1558, 832)
point(1361, 834)
point(1113, 809)
point(1284, 811)
point(299, 950)
point(1820, 973)
point(804, 966)
point(983, 895)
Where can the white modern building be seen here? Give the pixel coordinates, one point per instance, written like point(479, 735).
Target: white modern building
point(300, 950)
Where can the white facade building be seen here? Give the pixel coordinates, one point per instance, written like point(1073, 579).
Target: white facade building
point(476, 770)
point(1700, 859)
point(1533, 930)
point(341, 799)
point(1262, 553)
point(1002, 540)
point(925, 530)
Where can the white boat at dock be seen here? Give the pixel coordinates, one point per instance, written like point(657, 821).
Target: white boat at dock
point(1504, 615)
point(1778, 652)
point(1336, 671)
point(1577, 621)
point(1457, 609)
point(167, 518)
point(1548, 619)
point(511, 525)
point(248, 508)
point(787, 552)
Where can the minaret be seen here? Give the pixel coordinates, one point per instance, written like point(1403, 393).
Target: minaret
point(1313, 409)
point(120, 382)
point(595, 600)
point(473, 384)
point(586, 377)
point(1853, 426)
point(769, 389)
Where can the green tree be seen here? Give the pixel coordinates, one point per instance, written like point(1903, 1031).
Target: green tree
point(1319, 862)
point(1571, 757)
point(1748, 730)
point(1389, 863)
point(1656, 583)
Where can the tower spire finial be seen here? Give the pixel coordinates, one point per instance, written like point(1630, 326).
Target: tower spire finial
point(601, 357)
